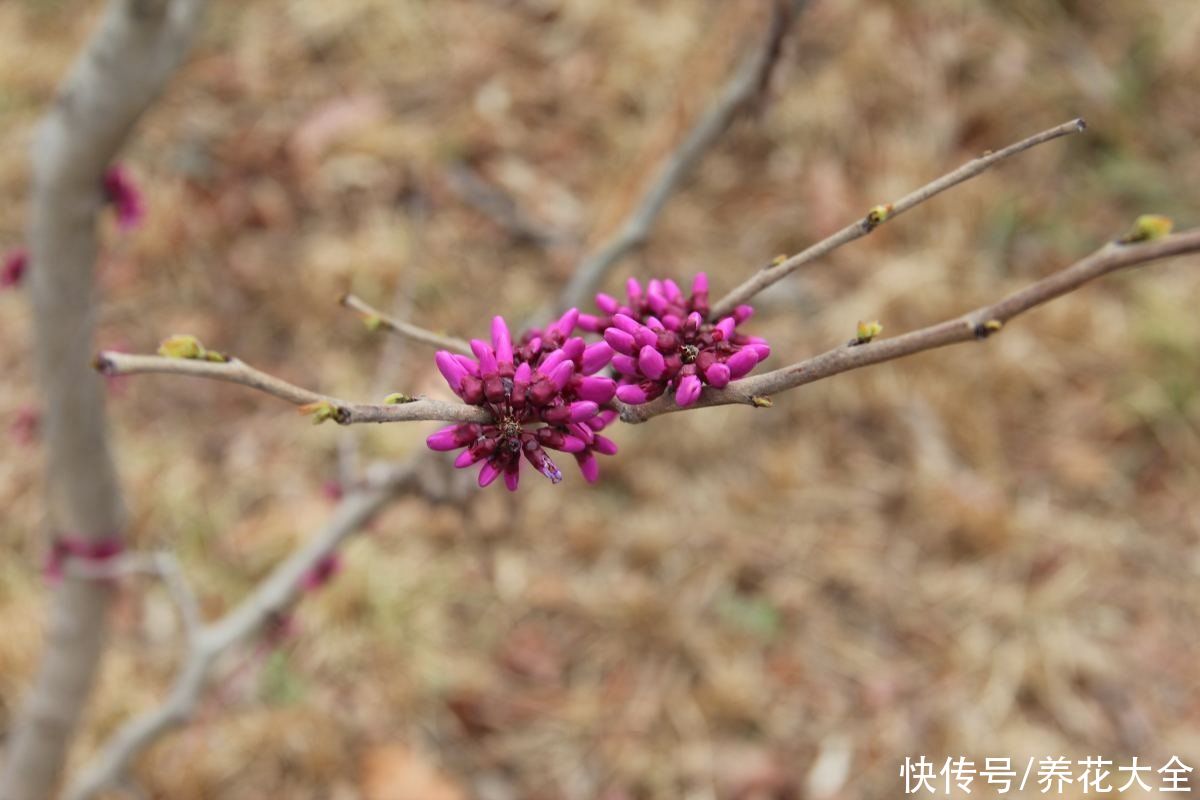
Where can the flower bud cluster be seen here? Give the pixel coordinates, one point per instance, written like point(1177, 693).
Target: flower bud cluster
point(544, 392)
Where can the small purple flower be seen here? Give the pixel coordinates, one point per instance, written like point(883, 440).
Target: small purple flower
point(661, 341)
point(126, 198)
point(542, 393)
point(16, 263)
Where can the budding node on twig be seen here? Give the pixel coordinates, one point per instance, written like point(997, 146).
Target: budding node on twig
point(1147, 228)
point(321, 411)
point(876, 216)
point(186, 346)
point(372, 323)
point(760, 401)
point(865, 332)
point(986, 329)
point(396, 398)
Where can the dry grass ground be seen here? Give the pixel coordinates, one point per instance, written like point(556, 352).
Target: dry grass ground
point(988, 550)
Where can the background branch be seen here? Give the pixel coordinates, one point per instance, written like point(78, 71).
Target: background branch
point(405, 329)
point(123, 67)
point(239, 372)
point(976, 324)
point(748, 82)
point(270, 600)
point(856, 230)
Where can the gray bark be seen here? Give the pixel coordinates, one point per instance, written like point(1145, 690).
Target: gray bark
point(124, 66)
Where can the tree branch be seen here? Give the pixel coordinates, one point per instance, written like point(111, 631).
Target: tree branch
point(271, 599)
point(405, 329)
point(747, 83)
point(340, 411)
point(977, 324)
point(122, 69)
point(856, 230)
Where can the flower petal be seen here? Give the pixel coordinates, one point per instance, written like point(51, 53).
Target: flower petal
point(741, 362)
point(451, 369)
point(588, 466)
point(619, 340)
point(598, 390)
point(449, 438)
point(631, 393)
point(488, 473)
point(502, 340)
point(596, 357)
point(512, 477)
point(651, 363)
point(717, 375)
point(688, 391)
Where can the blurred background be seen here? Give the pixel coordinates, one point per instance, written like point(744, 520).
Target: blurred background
point(989, 550)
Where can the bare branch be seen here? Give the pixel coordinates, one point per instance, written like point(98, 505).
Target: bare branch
point(405, 329)
point(237, 371)
point(167, 567)
point(747, 83)
point(977, 324)
point(272, 598)
point(856, 230)
point(124, 66)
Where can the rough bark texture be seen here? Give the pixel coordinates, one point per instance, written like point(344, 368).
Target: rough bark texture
point(136, 48)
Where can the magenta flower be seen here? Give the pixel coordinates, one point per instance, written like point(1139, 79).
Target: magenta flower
point(543, 394)
point(321, 573)
point(126, 198)
point(661, 341)
point(16, 262)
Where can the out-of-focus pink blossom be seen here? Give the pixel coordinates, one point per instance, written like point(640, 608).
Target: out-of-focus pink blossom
point(16, 263)
point(321, 573)
point(25, 425)
point(126, 198)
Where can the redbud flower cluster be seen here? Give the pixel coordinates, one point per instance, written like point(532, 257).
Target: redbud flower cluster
point(662, 341)
point(544, 393)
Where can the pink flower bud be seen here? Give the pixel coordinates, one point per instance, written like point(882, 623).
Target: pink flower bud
point(688, 391)
point(596, 357)
point(626, 365)
point(598, 390)
point(631, 393)
point(717, 375)
point(588, 466)
point(488, 473)
point(651, 363)
point(619, 340)
point(741, 362)
point(451, 370)
point(502, 341)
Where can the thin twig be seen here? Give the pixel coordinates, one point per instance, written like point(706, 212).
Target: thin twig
point(168, 569)
point(856, 230)
point(237, 371)
point(746, 84)
point(405, 329)
point(271, 599)
point(977, 324)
